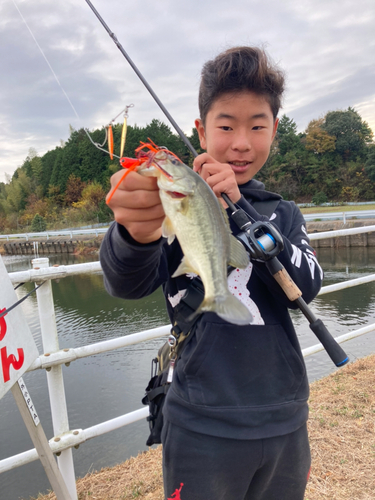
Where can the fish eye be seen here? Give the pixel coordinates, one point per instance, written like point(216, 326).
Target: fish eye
point(174, 161)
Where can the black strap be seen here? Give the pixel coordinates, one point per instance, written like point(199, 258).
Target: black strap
point(154, 393)
point(266, 207)
point(184, 317)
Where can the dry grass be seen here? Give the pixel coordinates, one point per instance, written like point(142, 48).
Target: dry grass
point(342, 434)
point(139, 477)
point(336, 208)
point(341, 427)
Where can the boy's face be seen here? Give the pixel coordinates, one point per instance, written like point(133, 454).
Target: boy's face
point(239, 130)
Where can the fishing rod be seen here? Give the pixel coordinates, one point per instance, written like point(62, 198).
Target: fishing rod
point(155, 97)
point(143, 80)
point(262, 240)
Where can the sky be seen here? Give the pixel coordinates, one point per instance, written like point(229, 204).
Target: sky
point(325, 47)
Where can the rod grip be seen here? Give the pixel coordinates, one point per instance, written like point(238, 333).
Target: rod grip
point(334, 351)
point(291, 290)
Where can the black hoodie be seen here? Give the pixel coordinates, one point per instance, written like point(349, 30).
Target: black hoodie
point(241, 382)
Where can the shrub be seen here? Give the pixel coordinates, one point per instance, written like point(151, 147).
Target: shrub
point(319, 198)
point(38, 224)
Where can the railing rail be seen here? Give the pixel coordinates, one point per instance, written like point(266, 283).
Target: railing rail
point(355, 214)
point(49, 234)
point(53, 358)
point(341, 232)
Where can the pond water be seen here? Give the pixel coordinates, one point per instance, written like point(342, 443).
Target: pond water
point(108, 385)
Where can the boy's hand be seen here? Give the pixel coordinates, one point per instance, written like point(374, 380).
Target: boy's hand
point(136, 206)
point(219, 176)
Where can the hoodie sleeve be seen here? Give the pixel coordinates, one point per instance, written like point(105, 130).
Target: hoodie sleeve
point(131, 270)
point(298, 257)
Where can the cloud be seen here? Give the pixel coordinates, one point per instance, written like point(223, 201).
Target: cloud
point(356, 90)
point(326, 49)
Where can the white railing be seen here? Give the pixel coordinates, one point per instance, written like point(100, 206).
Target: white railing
point(341, 232)
point(53, 358)
point(49, 234)
point(359, 214)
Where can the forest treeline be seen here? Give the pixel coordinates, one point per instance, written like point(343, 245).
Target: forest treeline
point(332, 160)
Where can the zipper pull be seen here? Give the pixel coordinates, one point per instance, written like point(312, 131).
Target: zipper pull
point(171, 370)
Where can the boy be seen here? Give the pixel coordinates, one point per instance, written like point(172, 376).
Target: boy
point(235, 415)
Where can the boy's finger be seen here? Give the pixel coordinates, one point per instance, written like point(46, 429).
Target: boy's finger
point(135, 199)
point(134, 181)
point(200, 160)
point(153, 215)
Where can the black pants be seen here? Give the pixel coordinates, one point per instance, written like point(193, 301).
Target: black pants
point(213, 468)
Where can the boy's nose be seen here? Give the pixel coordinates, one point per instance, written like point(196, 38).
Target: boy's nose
point(241, 143)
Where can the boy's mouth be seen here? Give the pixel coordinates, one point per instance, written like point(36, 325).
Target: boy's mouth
point(239, 166)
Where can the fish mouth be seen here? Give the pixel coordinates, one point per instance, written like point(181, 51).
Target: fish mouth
point(176, 194)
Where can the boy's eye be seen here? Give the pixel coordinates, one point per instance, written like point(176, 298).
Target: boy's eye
point(258, 127)
point(224, 127)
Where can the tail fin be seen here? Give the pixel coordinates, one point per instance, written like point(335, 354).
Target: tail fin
point(228, 308)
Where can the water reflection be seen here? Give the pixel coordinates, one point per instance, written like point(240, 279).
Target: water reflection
point(105, 386)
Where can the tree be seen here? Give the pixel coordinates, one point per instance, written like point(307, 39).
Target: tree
point(17, 192)
point(370, 163)
point(74, 188)
point(194, 141)
point(49, 160)
point(34, 206)
point(68, 162)
point(93, 162)
point(286, 126)
point(38, 224)
point(54, 195)
point(93, 194)
point(352, 134)
point(286, 136)
point(317, 139)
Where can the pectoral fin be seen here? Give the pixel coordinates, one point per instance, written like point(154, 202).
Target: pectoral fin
point(238, 256)
point(168, 230)
point(184, 268)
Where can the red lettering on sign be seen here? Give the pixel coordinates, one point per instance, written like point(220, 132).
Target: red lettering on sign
point(3, 325)
point(6, 361)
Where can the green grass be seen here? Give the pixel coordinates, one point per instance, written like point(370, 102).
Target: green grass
point(336, 208)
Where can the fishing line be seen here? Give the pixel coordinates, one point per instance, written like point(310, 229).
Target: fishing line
point(97, 145)
point(100, 146)
point(156, 98)
point(45, 58)
point(6, 311)
point(143, 80)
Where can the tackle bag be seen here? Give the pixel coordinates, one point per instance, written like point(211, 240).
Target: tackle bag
point(155, 393)
point(162, 367)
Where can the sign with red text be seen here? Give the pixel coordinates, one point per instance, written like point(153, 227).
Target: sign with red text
point(17, 346)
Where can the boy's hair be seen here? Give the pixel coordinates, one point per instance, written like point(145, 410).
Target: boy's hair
point(240, 69)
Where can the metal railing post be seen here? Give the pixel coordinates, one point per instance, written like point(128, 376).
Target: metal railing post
point(55, 380)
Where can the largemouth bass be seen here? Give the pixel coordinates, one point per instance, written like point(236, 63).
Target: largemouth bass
point(195, 216)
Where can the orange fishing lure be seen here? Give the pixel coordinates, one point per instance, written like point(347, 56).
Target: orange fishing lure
point(142, 157)
point(110, 141)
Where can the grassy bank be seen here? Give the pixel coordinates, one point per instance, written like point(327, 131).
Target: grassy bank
point(336, 208)
point(342, 437)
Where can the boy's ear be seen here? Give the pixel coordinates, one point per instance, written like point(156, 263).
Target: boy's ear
point(275, 128)
point(201, 133)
